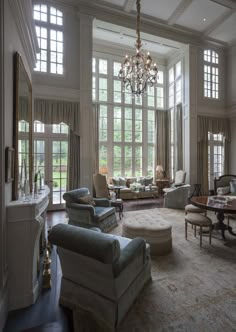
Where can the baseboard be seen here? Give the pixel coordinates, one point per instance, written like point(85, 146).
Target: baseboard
point(3, 307)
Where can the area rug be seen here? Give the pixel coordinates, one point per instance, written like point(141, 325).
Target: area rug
point(192, 289)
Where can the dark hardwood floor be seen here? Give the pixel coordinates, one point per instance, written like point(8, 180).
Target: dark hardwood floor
point(46, 315)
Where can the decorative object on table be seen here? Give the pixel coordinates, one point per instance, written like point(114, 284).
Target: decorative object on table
point(137, 71)
point(159, 172)
point(46, 271)
point(9, 158)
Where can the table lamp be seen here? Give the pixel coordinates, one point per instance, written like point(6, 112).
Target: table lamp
point(159, 172)
point(103, 170)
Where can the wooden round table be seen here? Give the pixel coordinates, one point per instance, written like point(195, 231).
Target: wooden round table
point(219, 204)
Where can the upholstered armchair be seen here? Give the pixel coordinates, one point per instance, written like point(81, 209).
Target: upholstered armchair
point(177, 198)
point(102, 274)
point(85, 211)
point(180, 177)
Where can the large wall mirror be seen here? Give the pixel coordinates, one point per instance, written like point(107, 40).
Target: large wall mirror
point(22, 133)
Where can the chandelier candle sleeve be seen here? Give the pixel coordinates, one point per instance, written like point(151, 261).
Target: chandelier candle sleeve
point(137, 71)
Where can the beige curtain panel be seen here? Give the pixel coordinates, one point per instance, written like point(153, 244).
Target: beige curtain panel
point(57, 111)
point(214, 126)
point(179, 137)
point(162, 134)
point(96, 137)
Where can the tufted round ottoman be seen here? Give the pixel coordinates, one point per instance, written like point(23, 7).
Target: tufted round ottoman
point(156, 232)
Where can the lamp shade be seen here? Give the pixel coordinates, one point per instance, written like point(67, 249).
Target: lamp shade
point(159, 168)
point(103, 170)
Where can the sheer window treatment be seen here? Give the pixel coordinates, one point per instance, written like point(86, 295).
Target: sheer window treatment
point(55, 112)
point(214, 126)
point(96, 137)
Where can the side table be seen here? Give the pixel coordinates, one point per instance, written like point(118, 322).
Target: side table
point(161, 184)
point(118, 205)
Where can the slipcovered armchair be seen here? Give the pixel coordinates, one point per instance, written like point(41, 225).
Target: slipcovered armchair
point(85, 211)
point(177, 198)
point(102, 274)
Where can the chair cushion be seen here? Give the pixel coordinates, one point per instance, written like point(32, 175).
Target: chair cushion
point(223, 190)
point(103, 212)
point(198, 219)
point(194, 209)
point(86, 200)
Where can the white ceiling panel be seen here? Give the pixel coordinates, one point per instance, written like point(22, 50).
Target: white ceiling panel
point(198, 10)
point(158, 8)
point(116, 2)
point(226, 31)
point(112, 33)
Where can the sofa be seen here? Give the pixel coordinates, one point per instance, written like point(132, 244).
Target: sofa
point(102, 274)
point(134, 187)
point(85, 211)
point(225, 185)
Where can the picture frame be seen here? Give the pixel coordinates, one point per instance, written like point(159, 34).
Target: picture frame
point(10, 161)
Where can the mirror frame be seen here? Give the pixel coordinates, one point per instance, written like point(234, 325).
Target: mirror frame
point(19, 67)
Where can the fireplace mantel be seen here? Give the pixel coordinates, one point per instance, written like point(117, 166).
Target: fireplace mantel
point(26, 222)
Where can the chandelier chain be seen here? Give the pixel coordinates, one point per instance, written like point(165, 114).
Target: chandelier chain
point(138, 41)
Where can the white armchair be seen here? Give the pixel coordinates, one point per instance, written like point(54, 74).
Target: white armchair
point(177, 198)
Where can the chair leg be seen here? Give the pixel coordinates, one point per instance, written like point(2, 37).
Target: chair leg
point(195, 230)
point(200, 236)
point(210, 232)
point(186, 229)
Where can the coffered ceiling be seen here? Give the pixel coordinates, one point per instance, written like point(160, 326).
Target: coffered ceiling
point(211, 21)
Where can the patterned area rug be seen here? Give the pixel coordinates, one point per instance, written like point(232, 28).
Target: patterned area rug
point(192, 289)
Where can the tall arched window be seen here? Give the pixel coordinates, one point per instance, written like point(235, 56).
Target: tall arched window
point(211, 74)
point(49, 30)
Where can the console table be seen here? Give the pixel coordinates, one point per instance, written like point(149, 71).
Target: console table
point(26, 223)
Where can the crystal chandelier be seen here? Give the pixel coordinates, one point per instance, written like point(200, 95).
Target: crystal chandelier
point(137, 71)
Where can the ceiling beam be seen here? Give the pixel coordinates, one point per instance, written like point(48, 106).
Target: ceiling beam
point(179, 10)
point(128, 5)
point(218, 21)
point(226, 3)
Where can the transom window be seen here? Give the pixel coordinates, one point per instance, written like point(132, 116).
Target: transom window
point(49, 30)
point(211, 74)
point(126, 124)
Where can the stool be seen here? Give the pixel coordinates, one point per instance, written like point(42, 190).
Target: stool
point(197, 219)
point(190, 208)
point(156, 232)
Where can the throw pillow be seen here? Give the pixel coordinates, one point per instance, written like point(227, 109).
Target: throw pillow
point(141, 181)
point(128, 182)
point(232, 187)
point(87, 200)
point(116, 181)
point(122, 181)
point(223, 190)
point(148, 180)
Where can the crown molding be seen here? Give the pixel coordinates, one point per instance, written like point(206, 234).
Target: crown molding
point(22, 14)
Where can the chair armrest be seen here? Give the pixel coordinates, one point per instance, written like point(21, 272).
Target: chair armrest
point(135, 248)
point(102, 202)
point(84, 207)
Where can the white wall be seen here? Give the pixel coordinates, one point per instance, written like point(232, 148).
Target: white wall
point(231, 104)
point(12, 43)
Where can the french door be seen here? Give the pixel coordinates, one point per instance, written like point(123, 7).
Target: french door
point(216, 157)
point(50, 158)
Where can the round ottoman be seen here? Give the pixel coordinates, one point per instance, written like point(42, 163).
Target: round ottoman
point(156, 232)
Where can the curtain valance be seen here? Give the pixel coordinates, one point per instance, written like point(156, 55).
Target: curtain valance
point(57, 111)
point(214, 126)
